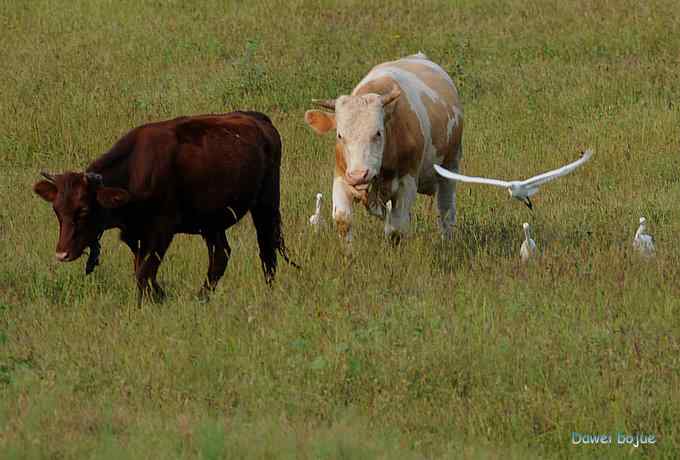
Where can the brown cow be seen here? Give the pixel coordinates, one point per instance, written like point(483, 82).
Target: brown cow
point(196, 175)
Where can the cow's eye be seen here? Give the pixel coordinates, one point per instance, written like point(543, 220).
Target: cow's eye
point(339, 136)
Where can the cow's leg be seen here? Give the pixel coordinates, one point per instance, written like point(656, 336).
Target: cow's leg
point(93, 257)
point(218, 258)
point(342, 209)
point(138, 252)
point(446, 196)
point(267, 220)
point(152, 253)
point(397, 223)
point(446, 202)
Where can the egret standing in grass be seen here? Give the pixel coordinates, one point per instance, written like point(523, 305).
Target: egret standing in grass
point(528, 249)
point(643, 241)
point(520, 190)
point(316, 219)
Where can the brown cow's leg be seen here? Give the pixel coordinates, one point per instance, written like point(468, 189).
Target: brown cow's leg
point(140, 254)
point(148, 264)
point(266, 226)
point(218, 258)
point(146, 278)
point(138, 251)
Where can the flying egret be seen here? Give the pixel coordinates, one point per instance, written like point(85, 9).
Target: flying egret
point(528, 249)
point(520, 190)
point(643, 241)
point(316, 219)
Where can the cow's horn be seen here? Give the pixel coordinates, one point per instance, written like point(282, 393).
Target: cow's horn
point(394, 93)
point(325, 103)
point(48, 176)
point(94, 178)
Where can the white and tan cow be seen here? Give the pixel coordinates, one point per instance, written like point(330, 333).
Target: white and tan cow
point(402, 118)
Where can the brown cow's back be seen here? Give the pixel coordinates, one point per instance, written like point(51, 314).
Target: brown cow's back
point(220, 163)
point(206, 169)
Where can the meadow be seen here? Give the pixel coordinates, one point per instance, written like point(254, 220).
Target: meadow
point(433, 349)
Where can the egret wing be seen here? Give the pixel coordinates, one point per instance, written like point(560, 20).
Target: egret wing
point(471, 179)
point(554, 174)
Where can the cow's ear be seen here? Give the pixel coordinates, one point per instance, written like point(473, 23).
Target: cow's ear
point(389, 101)
point(112, 197)
point(390, 97)
point(45, 190)
point(320, 122)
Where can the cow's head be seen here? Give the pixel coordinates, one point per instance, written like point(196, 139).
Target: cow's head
point(359, 122)
point(78, 200)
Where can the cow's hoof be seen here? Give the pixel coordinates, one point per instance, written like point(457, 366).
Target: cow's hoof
point(89, 268)
point(158, 295)
point(204, 294)
point(154, 295)
point(394, 238)
point(346, 247)
point(447, 236)
point(92, 262)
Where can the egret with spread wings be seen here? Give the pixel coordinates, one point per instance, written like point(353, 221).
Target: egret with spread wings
point(520, 190)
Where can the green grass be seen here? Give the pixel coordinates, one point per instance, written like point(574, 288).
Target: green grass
point(428, 350)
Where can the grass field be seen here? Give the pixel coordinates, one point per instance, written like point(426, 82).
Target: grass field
point(429, 350)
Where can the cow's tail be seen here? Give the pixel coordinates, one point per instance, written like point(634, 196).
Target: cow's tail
point(267, 220)
point(280, 242)
point(267, 214)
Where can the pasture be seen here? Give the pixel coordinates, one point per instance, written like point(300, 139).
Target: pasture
point(431, 349)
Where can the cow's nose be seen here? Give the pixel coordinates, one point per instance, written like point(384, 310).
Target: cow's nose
point(61, 256)
point(357, 177)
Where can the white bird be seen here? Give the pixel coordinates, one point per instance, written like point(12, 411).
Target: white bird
point(520, 190)
point(528, 249)
point(643, 241)
point(316, 219)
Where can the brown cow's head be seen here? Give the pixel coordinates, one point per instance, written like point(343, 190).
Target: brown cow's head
point(360, 125)
point(77, 200)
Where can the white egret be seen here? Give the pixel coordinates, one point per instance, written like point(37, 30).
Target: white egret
point(316, 219)
point(389, 229)
point(520, 190)
point(528, 249)
point(643, 241)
